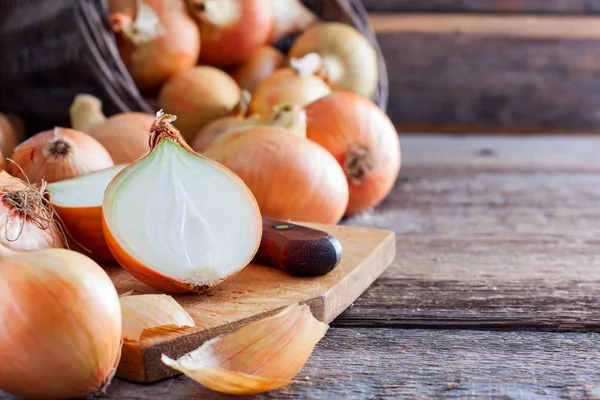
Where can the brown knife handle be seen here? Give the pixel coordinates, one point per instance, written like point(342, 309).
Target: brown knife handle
point(298, 250)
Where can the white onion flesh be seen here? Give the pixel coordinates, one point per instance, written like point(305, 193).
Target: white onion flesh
point(183, 215)
point(83, 191)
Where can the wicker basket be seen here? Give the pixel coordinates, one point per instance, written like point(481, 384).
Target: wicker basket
point(53, 49)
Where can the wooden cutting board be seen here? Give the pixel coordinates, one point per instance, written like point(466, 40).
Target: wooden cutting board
point(255, 292)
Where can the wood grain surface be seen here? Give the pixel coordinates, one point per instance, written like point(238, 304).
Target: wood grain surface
point(498, 235)
point(257, 291)
point(426, 364)
point(469, 73)
point(562, 7)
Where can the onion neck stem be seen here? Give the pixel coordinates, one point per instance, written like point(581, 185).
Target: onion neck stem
point(85, 112)
point(218, 13)
point(310, 64)
point(241, 108)
point(292, 118)
point(333, 70)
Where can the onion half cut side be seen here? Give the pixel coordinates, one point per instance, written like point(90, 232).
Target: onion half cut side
point(78, 202)
point(177, 220)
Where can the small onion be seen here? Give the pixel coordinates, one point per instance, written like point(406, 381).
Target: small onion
point(26, 217)
point(157, 41)
point(297, 85)
point(233, 122)
point(124, 135)
point(12, 132)
point(58, 154)
point(198, 96)
point(289, 117)
point(178, 221)
point(259, 66)
point(60, 325)
point(349, 60)
point(363, 140)
point(292, 178)
point(290, 16)
point(231, 30)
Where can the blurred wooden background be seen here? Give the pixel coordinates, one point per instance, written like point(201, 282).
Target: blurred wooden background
point(514, 66)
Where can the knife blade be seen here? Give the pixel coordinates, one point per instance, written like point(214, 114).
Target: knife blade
point(298, 250)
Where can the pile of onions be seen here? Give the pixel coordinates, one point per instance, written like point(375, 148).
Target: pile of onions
point(290, 16)
point(231, 30)
point(259, 66)
point(198, 96)
point(291, 177)
point(26, 217)
point(349, 60)
point(298, 84)
point(363, 140)
point(125, 135)
point(12, 132)
point(156, 39)
point(58, 154)
point(61, 325)
point(178, 221)
point(78, 202)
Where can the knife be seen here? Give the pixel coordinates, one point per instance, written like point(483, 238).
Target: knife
point(298, 250)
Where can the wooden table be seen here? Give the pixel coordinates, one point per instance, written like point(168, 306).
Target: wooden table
point(495, 289)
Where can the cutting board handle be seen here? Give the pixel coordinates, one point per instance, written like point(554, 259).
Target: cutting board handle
point(298, 250)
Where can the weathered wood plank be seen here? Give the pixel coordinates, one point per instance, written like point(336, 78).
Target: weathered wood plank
point(461, 73)
point(501, 153)
point(457, 200)
point(471, 81)
point(489, 6)
point(485, 282)
point(386, 363)
point(519, 26)
point(489, 185)
point(497, 233)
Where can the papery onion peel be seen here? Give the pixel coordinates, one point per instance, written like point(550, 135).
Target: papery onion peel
point(261, 356)
point(146, 311)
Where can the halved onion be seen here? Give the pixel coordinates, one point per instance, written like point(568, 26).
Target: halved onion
point(178, 221)
point(146, 311)
point(78, 202)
